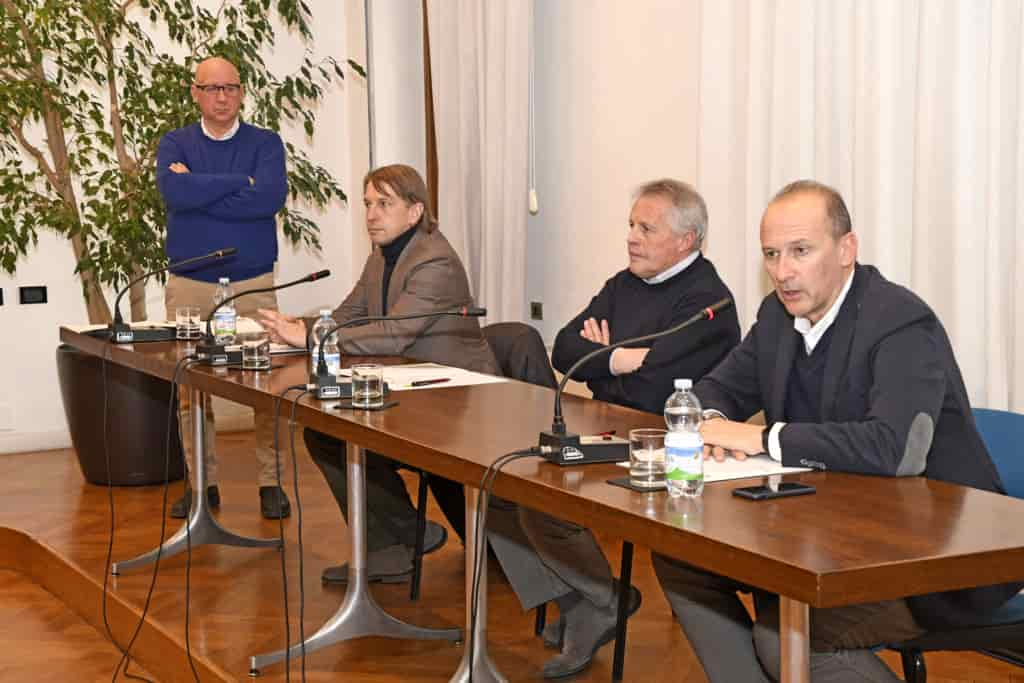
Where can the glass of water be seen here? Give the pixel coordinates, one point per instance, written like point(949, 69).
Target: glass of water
point(367, 385)
point(255, 350)
point(187, 322)
point(647, 458)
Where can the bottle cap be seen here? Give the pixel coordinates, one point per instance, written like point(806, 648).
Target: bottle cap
point(683, 383)
point(224, 281)
point(325, 313)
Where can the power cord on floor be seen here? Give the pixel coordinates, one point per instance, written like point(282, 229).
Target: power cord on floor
point(126, 650)
point(188, 524)
point(480, 538)
point(284, 571)
point(298, 524)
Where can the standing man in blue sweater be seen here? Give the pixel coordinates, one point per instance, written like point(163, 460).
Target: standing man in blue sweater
point(223, 182)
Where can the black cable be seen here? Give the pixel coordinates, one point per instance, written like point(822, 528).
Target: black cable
point(280, 528)
point(298, 521)
point(188, 525)
point(480, 539)
point(126, 651)
point(110, 542)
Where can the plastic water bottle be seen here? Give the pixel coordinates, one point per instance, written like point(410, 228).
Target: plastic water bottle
point(684, 447)
point(332, 355)
point(225, 319)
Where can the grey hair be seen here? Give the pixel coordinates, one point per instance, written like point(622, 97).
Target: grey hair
point(834, 204)
point(688, 211)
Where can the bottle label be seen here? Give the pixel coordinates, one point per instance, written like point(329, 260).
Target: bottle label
point(224, 323)
point(331, 359)
point(684, 459)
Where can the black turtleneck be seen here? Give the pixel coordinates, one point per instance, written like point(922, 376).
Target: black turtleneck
point(391, 252)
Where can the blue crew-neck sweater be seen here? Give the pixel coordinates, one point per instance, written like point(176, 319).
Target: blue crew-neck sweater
point(215, 206)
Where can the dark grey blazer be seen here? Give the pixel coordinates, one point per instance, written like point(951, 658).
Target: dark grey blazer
point(893, 404)
point(427, 277)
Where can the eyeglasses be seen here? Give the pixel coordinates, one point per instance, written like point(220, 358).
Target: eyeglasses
point(230, 89)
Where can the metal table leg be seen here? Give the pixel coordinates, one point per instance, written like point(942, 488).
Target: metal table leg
point(794, 641)
point(483, 668)
point(359, 615)
point(200, 525)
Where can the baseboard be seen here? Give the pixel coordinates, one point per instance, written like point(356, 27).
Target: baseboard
point(24, 442)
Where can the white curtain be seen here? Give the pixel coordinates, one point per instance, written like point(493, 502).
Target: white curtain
point(480, 57)
point(913, 110)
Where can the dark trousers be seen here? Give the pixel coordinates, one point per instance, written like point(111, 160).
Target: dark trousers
point(733, 647)
point(390, 513)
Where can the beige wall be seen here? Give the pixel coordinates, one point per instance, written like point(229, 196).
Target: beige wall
point(615, 105)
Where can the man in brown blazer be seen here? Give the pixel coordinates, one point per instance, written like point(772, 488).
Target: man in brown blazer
point(412, 269)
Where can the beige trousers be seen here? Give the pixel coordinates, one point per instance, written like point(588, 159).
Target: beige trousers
point(185, 292)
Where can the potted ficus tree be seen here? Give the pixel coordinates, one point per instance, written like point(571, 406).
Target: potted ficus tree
point(85, 96)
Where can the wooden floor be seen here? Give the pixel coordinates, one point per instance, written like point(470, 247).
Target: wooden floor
point(53, 543)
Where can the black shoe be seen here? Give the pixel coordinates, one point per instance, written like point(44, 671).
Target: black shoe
point(180, 508)
point(392, 564)
point(274, 503)
point(587, 629)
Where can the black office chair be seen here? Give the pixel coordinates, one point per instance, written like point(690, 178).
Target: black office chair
point(521, 355)
point(1002, 634)
point(520, 352)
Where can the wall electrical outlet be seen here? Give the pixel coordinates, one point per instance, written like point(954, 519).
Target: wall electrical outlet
point(32, 295)
point(536, 310)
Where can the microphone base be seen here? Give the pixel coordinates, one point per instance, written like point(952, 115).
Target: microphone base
point(121, 333)
point(328, 388)
point(210, 352)
point(573, 449)
point(124, 334)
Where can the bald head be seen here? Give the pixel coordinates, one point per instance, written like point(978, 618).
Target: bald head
point(216, 68)
point(217, 91)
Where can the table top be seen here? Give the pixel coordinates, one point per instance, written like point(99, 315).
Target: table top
point(858, 539)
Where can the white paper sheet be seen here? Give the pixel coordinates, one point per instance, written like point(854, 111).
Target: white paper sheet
point(731, 468)
point(402, 377)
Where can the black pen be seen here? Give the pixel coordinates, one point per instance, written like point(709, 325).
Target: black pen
point(428, 382)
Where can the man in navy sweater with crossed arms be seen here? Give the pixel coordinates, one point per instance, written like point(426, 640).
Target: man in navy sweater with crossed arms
point(223, 182)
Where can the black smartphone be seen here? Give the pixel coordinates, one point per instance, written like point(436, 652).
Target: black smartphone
point(786, 488)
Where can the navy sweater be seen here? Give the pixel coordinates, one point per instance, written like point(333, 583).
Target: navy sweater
point(214, 205)
point(633, 308)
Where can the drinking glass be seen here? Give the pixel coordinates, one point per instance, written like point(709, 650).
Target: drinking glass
point(367, 385)
point(255, 350)
point(647, 458)
point(187, 322)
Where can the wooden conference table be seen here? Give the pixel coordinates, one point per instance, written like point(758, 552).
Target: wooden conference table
point(859, 539)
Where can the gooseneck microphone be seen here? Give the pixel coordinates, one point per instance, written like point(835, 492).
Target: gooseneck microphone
point(210, 352)
point(122, 333)
point(325, 385)
point(568, 448)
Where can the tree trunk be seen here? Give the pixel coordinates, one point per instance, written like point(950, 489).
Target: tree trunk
point(95, 302)
point(137, 293)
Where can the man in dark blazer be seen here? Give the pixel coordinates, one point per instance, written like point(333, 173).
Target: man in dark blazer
point(412, 269)
point(854, 374)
